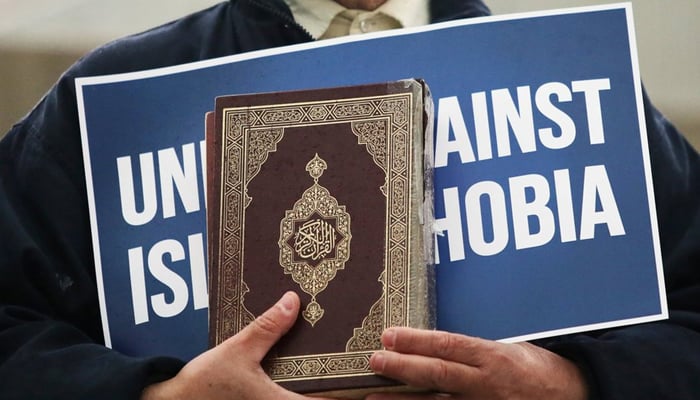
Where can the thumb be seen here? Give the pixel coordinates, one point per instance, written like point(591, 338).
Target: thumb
point(260, 335)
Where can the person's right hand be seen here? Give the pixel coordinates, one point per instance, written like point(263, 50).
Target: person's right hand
point(232, 369)
point(460, 367)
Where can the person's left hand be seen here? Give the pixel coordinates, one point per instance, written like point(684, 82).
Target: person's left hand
point(463, 367)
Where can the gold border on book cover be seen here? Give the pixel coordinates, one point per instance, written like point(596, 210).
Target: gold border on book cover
point(384, 125)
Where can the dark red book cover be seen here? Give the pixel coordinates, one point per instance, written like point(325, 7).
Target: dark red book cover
point(320, 192)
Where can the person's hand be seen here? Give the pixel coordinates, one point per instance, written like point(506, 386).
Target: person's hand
point(462, 367)
point(232, 369)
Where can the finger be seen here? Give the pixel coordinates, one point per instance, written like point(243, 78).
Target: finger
point(276, 392)
point(424, 372)
point(260, 335)
point(447, 346)
point(408, 396)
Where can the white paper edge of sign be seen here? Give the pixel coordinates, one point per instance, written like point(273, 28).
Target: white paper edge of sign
point(644, 142)
point(93, 217)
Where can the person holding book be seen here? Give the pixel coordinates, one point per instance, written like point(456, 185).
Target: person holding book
point(50, 332)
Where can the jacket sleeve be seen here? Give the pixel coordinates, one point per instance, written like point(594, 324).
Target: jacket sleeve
point(50, 333)
point(656, 360)
point(51, 342)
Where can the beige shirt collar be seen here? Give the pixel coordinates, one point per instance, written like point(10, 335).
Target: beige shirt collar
point(316, 15)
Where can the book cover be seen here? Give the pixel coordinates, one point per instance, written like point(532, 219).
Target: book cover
point(321, 192)
point(544, 205)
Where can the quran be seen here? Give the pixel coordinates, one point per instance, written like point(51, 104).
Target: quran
point(321, 192)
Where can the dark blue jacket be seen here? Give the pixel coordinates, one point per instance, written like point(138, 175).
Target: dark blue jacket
point(50, 331)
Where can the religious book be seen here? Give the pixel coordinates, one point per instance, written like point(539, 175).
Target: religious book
point(321, 192)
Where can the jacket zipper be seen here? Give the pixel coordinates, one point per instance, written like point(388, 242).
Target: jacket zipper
point(286, 18)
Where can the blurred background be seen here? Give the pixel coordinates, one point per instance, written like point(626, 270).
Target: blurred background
point(41, 38)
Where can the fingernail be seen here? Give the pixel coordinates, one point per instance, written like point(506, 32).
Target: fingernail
point(286, 303)
point(377, 362)
point(389, 338)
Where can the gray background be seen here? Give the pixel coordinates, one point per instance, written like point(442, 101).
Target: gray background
point(41, 38)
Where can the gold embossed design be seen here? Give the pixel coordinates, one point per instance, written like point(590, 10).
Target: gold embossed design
point(282, 115)
point(373, 135)
point(381, 124)
point(326, 365)
point(354, 110)
point(388, 141)
point(314, 240)
point(368, 337)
